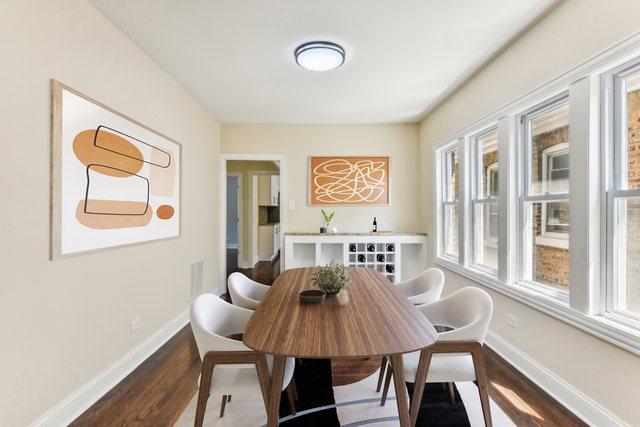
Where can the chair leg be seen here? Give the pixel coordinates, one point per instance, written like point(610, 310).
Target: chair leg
point(387, 382)
point(203, 393)
point(481, 382)
point(452, 393)
point(292, 404)
point(295, 389)
point(223, 405)
point(229, 398)
point(383, 365)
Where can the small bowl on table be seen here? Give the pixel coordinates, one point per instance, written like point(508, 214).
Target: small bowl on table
point(312, 296)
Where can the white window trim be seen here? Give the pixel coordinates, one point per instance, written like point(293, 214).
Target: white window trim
point(524, 147)
point(551, 238)
point(591, 231)
point(493, 167)
point(476, 152)
point(442, 170)
point(614, 179)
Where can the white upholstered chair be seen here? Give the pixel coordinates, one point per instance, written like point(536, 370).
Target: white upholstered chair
point(228, 366)
point(245, 292)
point(422, 289)
point(457, 355)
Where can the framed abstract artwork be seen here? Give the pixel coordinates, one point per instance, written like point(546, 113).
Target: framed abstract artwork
point(114, 181)
point(349, 181)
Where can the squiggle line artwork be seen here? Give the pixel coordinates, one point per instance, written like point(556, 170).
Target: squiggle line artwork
point(339, 180)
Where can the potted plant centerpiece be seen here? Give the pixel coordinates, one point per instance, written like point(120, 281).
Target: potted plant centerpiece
point(331, 278)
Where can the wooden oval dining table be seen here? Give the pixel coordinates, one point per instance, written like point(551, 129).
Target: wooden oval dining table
point(377, 321)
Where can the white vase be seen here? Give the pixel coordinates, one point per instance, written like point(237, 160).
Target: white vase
point(334, 230)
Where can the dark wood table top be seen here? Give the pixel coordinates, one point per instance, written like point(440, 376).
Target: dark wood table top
point(378, 320)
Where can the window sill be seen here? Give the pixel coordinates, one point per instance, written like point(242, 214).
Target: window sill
point(602, 327)
point(554, 242)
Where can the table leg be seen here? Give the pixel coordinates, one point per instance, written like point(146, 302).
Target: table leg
point(418, 386)
point(401, 390)
point(276, 388)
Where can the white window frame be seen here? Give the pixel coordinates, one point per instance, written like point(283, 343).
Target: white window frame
point(478, 198)
point(551, 238)
point(615, 177)
point(493, 167)
point(526, 200)
point(590, 185)
point(444, 200)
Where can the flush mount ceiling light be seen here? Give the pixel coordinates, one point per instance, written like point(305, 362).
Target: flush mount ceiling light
point(319, 56)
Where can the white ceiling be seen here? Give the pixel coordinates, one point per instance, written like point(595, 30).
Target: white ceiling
point(403, 56)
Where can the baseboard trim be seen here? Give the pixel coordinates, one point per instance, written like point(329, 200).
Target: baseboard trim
point(78, 402)
point(570, 397)
point(245, 264)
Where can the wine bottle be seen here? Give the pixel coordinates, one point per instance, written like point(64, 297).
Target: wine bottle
point(352, 247)
point(361, 258)
point(371, 247)
point(390, 268)
point(391, 247)
point(380, 257)
point(375, 225)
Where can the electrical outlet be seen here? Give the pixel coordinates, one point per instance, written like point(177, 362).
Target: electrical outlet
point(512, 321)
point(135, 324)
point(292, 205)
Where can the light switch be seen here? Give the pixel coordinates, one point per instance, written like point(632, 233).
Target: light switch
point(292, 205)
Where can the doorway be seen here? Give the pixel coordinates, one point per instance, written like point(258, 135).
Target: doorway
point(252, 216)
point(234, 235)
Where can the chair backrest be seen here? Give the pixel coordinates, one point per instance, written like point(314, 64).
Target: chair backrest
point(213, 319)
point(424, 288)
point(468, 311)
point(244, 291)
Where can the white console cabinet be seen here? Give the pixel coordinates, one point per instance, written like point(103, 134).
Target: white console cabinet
point(398, 256)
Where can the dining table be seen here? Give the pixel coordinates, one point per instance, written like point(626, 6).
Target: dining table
point(377, 321)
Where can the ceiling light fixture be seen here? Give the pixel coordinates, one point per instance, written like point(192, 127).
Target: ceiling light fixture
point(319, 56)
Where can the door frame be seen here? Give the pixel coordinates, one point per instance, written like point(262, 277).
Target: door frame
point(240, 211)
point(224, 157)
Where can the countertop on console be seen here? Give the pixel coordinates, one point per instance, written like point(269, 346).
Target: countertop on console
point(379, 233)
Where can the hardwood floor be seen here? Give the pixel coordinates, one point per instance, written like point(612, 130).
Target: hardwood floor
point(264, 272)
point(158, 391)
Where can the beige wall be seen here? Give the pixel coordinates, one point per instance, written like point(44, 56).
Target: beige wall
point(246, 167)
point(297, 142)
point(64, 322)
point(569, 35)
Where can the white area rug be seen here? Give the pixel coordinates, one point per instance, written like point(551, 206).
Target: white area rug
point(357, 404)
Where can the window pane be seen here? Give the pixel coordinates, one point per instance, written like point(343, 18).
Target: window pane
point(451, 230)
point(632, 88)
point(486, 234)
point(549, 151)
point(451, 175)
point(628, 254)
point(546, 252)
point(487, 152)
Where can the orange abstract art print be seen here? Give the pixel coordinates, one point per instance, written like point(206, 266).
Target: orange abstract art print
point(115, 181)
point(348, 180)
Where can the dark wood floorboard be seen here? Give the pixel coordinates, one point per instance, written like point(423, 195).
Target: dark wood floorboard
point(523, 401)
point(159, 390)
point(264, 272)
point(155, 393)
